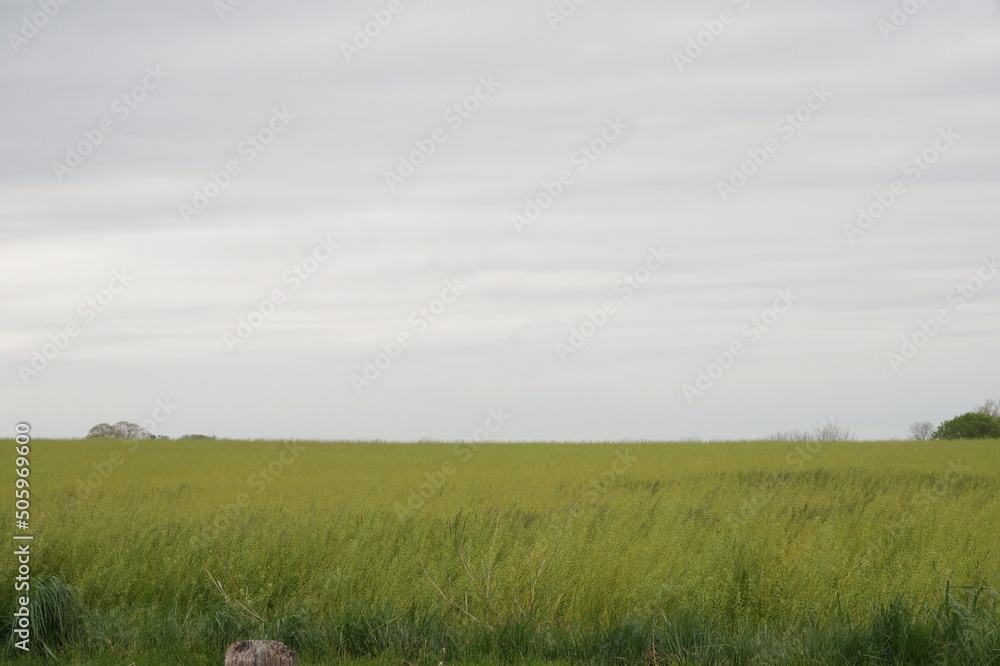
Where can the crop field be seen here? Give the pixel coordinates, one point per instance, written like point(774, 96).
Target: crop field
point(660, 553)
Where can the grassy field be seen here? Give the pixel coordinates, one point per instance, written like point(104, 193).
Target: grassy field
point(719, 553)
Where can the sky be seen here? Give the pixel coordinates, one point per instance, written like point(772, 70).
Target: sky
point(573, 220)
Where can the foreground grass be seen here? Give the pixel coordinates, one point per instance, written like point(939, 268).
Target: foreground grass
point(664, 553)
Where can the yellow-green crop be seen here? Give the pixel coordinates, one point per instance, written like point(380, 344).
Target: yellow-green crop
point(467, 543)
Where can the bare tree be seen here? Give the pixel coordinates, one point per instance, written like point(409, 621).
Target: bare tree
point(828, 432)
point(922, 430)
point(120, 430)
point(102, 430)
point(990, 408)
point(833, 432)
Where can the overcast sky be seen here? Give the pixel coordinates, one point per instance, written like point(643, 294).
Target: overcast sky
point(170, 168)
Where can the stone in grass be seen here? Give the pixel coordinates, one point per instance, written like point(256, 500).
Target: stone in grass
point(260, 653)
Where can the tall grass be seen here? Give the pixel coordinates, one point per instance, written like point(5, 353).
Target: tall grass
point(722, 553)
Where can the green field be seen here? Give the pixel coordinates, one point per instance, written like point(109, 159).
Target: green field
point(720, 553)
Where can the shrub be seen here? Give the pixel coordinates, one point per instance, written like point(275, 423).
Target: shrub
point(969, 426)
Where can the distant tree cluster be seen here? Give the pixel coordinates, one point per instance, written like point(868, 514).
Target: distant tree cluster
point(129, 430)
point(120, 430)
point(981, 423)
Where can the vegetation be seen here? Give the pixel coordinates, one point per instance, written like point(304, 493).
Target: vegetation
point(786, 552)
point(990, 408)
point(120, 430)
point(964, 426)
point(974, 425)
point(827, 432)
point(922, 430)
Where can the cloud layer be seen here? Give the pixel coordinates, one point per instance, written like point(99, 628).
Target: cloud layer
point(847, 153)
